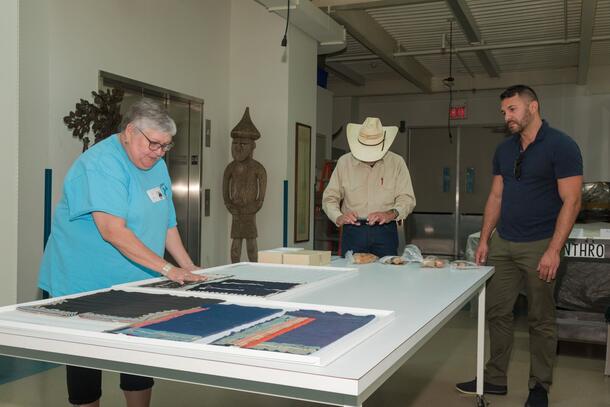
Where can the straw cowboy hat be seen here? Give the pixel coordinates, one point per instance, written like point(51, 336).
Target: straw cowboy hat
point(370, 141)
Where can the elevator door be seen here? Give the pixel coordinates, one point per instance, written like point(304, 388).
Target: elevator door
point(184, 164)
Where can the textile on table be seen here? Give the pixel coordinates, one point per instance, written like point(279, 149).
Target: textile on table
point(301, 332)
point(194, 324)
point(244, 287)
point(121, 306)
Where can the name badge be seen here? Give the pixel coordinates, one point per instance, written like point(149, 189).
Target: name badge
point(155, 194)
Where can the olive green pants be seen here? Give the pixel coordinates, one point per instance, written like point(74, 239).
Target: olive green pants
point(515, 267)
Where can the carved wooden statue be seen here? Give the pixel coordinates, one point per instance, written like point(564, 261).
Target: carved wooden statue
point(243, 188)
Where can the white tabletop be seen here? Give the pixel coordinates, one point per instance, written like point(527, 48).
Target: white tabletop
point(422, 300)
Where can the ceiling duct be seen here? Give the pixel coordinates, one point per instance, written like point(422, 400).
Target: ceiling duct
point(312, 21)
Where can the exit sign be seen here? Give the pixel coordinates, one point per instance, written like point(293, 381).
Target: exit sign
point(457, 112)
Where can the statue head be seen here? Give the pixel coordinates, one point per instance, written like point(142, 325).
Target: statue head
point(242, 148)
point(244, 136)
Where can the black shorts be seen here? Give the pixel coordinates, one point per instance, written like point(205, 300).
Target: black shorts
point(85, 385)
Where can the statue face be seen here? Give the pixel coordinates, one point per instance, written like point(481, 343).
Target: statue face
point(242, 148)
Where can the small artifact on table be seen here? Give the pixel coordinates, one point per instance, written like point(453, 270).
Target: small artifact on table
point(433, 262)
point(463, 265)
point(396, 260)
point(364, 258)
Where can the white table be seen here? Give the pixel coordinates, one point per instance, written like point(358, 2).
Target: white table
point(423, 301)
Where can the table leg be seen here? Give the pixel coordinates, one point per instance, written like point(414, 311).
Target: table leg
point(480, 399)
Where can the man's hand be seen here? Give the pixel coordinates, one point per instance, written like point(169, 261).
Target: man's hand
point(380, 217)
point(480, 256)
point(350, 218)
point(548, 265)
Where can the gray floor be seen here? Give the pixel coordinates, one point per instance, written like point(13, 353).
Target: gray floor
point(427, 379)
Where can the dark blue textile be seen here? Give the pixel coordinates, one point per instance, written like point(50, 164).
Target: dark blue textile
point(381, 240)
point(531, 204)
point(244, 287)
point(121, 304)
point(326, 329)
point(216, 318)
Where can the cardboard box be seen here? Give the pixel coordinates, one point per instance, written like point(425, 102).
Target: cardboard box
point(303, 258)
point(276, 256)
point(324, 257)
point(308, 258)
point(270, 256)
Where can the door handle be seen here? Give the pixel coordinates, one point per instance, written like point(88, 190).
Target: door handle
point(194, 159)
point(446, 179)
point(470, 180)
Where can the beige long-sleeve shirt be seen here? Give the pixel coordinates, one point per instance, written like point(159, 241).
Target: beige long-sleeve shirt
point(356, 186)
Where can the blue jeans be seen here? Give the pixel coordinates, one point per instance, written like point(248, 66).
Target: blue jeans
point(381, 240)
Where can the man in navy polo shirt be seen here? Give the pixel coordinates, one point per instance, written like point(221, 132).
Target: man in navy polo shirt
point(533, 203)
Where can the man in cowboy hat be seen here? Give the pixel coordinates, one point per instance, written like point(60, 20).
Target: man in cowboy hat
point(369, 190)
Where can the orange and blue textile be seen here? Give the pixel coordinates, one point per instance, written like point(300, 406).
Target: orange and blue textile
point(301, 332)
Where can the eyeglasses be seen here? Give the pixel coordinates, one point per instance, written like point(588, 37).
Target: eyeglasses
point(517, 167)
point(155, 145)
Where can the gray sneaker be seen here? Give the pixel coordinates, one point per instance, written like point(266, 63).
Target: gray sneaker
point(488, 388)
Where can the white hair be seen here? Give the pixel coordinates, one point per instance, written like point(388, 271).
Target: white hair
point(150, 114)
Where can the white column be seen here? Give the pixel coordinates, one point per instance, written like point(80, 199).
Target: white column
point(9, 136)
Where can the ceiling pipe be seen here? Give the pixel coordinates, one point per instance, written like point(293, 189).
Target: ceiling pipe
point(474, 48)
point(469, 49)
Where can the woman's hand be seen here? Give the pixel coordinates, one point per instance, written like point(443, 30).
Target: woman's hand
point(182, 276)
point(192, 267)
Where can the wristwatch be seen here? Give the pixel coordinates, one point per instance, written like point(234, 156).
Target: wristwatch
point(395, 212)
point(166, 269)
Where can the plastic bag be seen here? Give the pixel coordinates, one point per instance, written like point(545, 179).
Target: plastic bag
point(412, 254)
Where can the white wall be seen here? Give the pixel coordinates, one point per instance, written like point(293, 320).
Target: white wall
point(9, 117)
point(345, 110)
point(34, 140)
point(576, 110)
point(259, 78)
point(182, 46)
point(279, 85)
point(324, 119)
point(302, 95)
point(324, 111)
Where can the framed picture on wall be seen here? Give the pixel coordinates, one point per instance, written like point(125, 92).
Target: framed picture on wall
point(302, 182)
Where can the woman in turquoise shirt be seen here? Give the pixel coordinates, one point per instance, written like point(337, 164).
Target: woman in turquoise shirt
point(112, 225)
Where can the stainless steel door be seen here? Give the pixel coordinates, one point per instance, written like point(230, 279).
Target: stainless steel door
point(477, 148)
point(451, 182)
point(183, 162)
point(432, 164)
point(193, 240)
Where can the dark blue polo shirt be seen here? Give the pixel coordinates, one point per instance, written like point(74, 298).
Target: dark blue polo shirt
point(531, 204)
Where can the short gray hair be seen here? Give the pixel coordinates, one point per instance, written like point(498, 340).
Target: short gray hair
point(150, 114)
